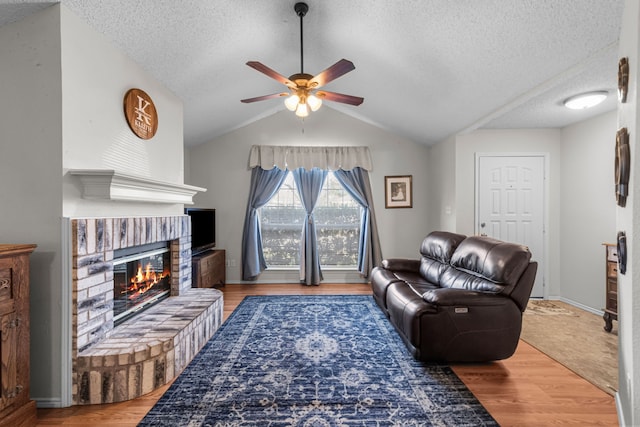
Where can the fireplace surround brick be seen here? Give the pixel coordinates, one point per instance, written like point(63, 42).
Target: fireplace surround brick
point(112, 364)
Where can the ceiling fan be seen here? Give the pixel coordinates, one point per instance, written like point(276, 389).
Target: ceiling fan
point(303, 88)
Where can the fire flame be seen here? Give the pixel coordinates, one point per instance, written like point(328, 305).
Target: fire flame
point(143, 281)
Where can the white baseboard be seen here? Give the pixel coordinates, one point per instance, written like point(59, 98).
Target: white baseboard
point(292, 276)
point(582, 306)
point(619, 410)
point(48, 402)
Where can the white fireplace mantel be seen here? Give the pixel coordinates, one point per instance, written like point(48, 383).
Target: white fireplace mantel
point(107, 184)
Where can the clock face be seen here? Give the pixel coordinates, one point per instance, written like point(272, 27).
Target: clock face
point(140, 113)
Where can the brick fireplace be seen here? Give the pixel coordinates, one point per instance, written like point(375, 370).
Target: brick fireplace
point(116, 363)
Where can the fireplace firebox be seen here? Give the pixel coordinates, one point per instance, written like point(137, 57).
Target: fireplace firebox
point(141, 278)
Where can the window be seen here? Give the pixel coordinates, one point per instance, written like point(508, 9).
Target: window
point(337, 218)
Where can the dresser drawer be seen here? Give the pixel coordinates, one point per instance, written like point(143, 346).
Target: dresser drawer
point(6, 284)
point(7, 291)
point(612, 269)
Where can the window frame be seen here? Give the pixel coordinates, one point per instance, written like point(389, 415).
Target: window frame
point(331, 184)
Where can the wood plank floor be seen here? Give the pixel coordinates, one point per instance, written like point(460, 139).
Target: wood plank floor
point(528, 389)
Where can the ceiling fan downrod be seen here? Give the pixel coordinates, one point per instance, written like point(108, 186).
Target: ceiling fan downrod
point(301, 10)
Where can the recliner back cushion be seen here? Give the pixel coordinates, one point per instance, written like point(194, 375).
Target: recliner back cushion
point(436, 250)
point(486, 264)
point(440, 245)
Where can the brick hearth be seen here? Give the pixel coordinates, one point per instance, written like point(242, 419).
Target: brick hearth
point(147, 351)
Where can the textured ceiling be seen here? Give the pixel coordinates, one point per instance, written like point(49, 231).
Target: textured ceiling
point(426, 68)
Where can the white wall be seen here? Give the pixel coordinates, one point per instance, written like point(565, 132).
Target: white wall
point(222, 167)
point(587, 208)
point(628, 220)
point(61, 107)
point(95, 78)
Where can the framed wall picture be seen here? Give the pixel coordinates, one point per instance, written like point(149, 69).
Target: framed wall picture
point(398, 191)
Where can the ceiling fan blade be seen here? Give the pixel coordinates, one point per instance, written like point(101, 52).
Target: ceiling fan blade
point(271, 73)
point(338, 69)
point(263, 97)
point(340, 97)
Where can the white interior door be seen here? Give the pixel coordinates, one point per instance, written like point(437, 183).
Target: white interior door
point(510, 204)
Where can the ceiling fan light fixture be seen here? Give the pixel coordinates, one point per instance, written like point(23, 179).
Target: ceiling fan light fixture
point(585, 100)
point(292, 102)
point(314, 102)
point(302, 110)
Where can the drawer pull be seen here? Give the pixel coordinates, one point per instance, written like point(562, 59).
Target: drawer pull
point(4, 284)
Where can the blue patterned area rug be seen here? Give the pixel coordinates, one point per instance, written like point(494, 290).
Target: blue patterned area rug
point(313, 361)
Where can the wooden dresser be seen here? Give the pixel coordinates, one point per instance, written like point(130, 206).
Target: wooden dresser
point(611, 286)
point(208, 269)
point(16, 408)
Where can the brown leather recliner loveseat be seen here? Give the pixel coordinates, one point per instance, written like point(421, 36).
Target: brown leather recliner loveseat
point(462, 301)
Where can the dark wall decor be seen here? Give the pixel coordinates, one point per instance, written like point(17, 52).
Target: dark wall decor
point(141, 114)
point(622, 166)
point(623, 79)
point(622, 252)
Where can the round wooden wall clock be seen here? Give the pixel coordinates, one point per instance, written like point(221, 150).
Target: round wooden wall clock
point(623, 79)
point(622, 166)
point(140, 113)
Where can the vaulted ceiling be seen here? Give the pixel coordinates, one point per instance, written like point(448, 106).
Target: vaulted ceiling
point(427, 69)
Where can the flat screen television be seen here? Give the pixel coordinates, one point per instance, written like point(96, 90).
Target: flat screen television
point(203, 229)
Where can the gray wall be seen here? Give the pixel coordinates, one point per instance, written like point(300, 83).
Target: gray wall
point(579, 200)
point(30, 177)
point(442, 185)
point(221, 166)
point(579, 157)
point(587, 207)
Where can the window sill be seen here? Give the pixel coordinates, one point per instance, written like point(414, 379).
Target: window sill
point(323, 268)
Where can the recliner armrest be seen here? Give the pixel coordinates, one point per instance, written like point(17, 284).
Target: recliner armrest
point(401, 264)
point(451, 296)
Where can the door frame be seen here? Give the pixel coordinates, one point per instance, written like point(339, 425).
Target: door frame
point(545, 207)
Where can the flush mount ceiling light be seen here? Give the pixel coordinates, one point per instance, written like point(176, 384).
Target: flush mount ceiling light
point(585, 100)
point(303, 92)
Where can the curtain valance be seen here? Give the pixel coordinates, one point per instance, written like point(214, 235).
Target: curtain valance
point(293, 157)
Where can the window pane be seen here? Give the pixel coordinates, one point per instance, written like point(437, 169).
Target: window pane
point(281, 225)
point(337, 218)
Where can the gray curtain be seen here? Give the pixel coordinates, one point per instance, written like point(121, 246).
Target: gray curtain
point(264, 184)
point(309, 183)
point(356, 183)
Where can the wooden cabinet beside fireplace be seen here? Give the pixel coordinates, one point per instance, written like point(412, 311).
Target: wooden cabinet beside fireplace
point(16, 409)
point(208, 269)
